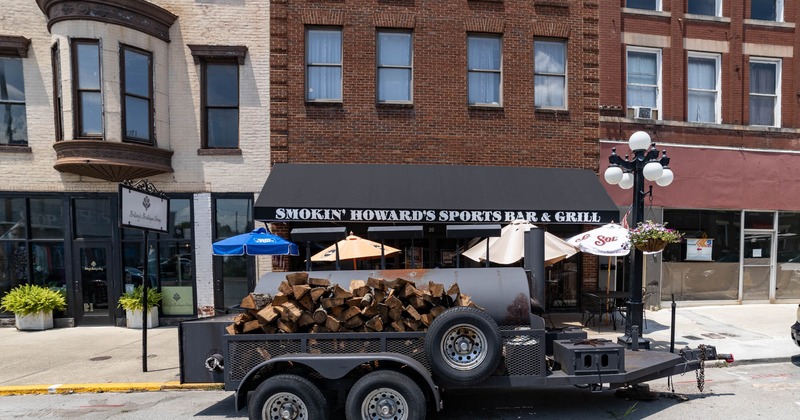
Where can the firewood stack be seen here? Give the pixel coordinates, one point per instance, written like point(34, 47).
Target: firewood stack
point(305, 304)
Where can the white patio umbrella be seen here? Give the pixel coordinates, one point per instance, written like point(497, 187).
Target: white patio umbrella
point(610, 240)
point(510, 246)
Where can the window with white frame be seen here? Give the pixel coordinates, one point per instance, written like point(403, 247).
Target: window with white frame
point(765, 98)
point(643, 78)
point(644, 4)
point(550, 73)
point(484, 74)
point(13, 126)
point(324, 64)
point(395, 57)
point(770, 10)
point(703, 80)
point(705, 7)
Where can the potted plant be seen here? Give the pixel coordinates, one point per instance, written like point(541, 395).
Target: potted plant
point(650, 237)
point(131, 302)
point(33, 306)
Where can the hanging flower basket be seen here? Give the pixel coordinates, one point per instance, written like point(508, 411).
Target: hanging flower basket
point(651, 246)
point(650, 237)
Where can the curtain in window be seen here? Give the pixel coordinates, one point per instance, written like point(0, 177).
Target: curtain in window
point(549, 69)
point(702, 74)
point(484, 86)
point(324, 59)
point(763, 84)
point(394, 49)
point(642, 79)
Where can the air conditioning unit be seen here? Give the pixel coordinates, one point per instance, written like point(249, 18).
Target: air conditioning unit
point(642, 113)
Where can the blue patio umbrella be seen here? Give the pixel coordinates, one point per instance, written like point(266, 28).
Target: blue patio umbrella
point(257, 242)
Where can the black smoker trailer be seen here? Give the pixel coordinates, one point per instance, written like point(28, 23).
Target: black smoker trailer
point(399, 375)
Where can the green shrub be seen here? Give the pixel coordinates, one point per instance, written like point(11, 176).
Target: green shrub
point(29, 299)
point(132, 301)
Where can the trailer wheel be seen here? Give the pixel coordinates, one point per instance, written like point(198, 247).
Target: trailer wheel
point(463, 345)
point(384, 395)
point(283, 397)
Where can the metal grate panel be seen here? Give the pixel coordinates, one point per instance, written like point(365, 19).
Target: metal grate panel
point(344, 346)
point(413, 347)
point(524, 354)
point(245, 355)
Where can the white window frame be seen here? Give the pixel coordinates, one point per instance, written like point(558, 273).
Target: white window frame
point(658, 6)
point(778, 11)
point(659, 70)
point(308, 65)
point(499, 71)
point(778, 70)
point(717, 8)
point(718, 84)
point(563, 42)
point(380, 66)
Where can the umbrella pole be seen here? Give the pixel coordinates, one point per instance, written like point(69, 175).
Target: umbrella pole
point(337, 255)
point(308, 255)
point(383, 257)
point(458, 253)
point(608, 285)
point(487, 252)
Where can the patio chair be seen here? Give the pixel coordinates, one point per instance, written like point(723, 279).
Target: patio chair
point(594, 307)
point(623, 309)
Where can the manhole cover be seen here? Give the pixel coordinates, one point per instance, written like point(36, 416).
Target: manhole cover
point(99, 358)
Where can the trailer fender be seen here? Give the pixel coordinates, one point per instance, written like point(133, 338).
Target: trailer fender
point(332, 366)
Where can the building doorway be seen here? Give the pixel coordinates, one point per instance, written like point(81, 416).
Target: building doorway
point(93, 297)
point(757, 265)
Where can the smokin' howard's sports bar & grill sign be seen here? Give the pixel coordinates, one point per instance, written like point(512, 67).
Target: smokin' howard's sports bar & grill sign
point(434, 216)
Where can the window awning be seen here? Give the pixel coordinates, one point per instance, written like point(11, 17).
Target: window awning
point(375, 193)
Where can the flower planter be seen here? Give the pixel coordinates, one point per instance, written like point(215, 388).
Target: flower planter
point(133, 319)
point(651, 246)
point(35, 322)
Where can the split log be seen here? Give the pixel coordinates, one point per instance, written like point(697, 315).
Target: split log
point(412, 312)
point(454, 289)
point(398, 326)
point(356, 284)
point(285, 288)
point(320, 315)
point(411, 324)
point(392, 301)
point(279, 299)
point(251, 326)
point(435, 289)
point(267, 315)
point(338, 292)
point(300, 290)
point(437, 310)
point(231, 329)
point(396, 312)
point(349, 313)
point(296, 279)
point(370, 311)
point(256, 301)
point(375, 323)
point(333, 324)
point(286, 326)
point(268, 329)
point(306, 301)
point(367, 300)
point(328, 303)
point(354, 322)
point(305, 319)
point(426, 319)
point(316, 293)
point(291, 312)
point(317, 282)
point(376, 283)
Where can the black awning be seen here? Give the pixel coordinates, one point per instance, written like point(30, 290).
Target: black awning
point(373, 193)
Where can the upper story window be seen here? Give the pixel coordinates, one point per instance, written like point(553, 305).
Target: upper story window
point(13, 126)
point(550, 73)
point(705, 7)
point(703, 88)
point(770, 10)
point(87, 88)
point(765, 98)
point(484, 69)
point(137, 94)
point(221, 99)
point(324, 64)
point(395, 58)
point(644, 79)
point(644, 4)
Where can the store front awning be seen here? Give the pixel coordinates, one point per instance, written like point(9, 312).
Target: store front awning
point(374, 193)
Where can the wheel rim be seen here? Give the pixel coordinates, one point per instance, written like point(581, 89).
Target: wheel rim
point(284, 406)
point(463, 347)
point(384, 404)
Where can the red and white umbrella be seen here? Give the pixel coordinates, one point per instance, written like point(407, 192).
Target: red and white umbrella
point(611, 240)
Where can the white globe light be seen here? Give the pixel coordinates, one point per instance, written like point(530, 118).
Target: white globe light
point(626, 182)
point(613, 175)
point(639, 141)
point(652, 171)
point(666, 177)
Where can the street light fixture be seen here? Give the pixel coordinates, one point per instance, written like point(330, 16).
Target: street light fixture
point(647, 163)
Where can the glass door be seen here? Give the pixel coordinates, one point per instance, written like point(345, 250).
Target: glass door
point(756, 265)
point(93, 284)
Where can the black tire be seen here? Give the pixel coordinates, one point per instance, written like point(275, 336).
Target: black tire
point(289, 392)
point(384, 395)
point(463, 346)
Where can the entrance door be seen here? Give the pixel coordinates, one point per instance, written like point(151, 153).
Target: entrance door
point(757, 265)
point(93, 274)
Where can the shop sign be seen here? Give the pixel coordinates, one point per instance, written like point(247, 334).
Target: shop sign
point(142, 210)
point(177, 300)
point(699, 249)
point(435, 216)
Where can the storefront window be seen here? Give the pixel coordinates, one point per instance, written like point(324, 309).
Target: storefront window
point(47, 218)
point(181, 217)
point(787, 276)
point(705, 266)
point(12, 218)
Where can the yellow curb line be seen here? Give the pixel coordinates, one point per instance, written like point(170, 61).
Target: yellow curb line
point(104, 387)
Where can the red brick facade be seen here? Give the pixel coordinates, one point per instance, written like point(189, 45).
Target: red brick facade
point(439, 128)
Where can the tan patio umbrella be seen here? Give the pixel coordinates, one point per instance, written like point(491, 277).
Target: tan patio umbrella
point(353, 248)
point(510, 246)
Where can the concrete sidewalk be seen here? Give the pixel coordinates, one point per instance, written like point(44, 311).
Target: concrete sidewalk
point(109, 359)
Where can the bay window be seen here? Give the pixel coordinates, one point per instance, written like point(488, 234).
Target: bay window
point(87, 92)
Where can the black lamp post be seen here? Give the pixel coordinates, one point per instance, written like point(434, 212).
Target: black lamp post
point(627, 173)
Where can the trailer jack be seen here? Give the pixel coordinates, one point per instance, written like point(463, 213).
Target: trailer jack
point(596, 387)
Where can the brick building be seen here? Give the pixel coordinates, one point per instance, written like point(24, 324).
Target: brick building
point(95, 92)
point(714, 83)
point(507, 83)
